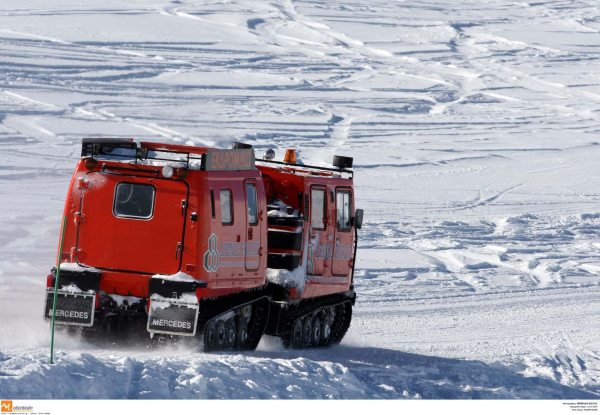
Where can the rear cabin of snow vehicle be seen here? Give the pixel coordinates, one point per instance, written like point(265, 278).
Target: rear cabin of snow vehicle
point(189, 241)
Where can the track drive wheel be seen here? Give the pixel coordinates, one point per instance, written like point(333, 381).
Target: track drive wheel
point(230, 334)
point(307, 333)
point(210, 336)
point(221, 335)
point(317, 325)
point(326, 331)
point(242, 334)
point(296, 335)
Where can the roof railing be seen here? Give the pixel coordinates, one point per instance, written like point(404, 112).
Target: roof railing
point(91, 147)
point(306, 166)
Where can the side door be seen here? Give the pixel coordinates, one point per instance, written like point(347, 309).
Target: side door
point(318, 239)
point(253, 234)
point(344, 235)
point(229, 224)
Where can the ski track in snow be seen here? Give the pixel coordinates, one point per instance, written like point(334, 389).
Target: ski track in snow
point(475, 135)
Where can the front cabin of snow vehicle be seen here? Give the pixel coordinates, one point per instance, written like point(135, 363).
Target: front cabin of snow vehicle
point(189, 241)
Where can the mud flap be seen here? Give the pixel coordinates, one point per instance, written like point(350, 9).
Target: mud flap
point(75, 309)
point(172, 316)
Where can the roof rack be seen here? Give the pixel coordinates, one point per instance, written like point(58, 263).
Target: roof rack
point(305, 166)
point(208, 159)
point(105, 146)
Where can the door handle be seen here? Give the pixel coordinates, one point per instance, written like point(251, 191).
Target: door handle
point(249, 233)
point(179, 248)
point(183, 203)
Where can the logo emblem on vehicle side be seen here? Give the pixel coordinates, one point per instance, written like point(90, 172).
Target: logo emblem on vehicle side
point(211, 257)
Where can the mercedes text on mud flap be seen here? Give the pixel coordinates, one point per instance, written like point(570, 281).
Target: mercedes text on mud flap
point(190, 241)
point(172, 317)
point(76, 296)
point(71, 308)
point(173, 305)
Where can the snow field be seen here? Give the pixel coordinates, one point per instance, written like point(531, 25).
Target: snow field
point(474, 131)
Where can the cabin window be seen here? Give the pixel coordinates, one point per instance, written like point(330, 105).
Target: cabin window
point(134, 201)
point(226, 207)
point(252, 205)
point(343, 210)
point(317, 209)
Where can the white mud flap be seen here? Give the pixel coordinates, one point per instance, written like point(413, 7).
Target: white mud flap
point(172, 316)
point(75, 309)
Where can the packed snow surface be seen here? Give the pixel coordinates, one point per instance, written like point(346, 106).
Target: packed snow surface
point(474, 128)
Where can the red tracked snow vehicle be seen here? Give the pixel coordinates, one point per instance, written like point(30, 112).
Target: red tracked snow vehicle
point(190, 241)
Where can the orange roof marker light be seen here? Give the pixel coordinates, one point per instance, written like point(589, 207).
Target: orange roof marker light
point(182, 172)
point(290, 156)
point(90, 163)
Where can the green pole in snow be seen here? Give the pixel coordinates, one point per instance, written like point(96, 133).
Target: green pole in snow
point(62, 238)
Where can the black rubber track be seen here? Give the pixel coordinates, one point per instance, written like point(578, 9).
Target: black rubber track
point(212, 309)
point(340, 325)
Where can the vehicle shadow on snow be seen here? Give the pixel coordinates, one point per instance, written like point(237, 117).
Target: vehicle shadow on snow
point(389, 373)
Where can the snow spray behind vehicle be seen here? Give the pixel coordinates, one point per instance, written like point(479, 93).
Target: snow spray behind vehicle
point(207, 243)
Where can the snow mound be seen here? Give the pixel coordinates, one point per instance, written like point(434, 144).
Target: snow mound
point(83, 375)
point(339, 373)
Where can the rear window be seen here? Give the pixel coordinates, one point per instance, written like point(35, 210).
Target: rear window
point(134, 200)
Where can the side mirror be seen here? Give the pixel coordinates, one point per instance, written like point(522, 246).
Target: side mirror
point(358, 218)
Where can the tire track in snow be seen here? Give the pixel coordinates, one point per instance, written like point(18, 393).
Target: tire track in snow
point(103, 115)
point(498, 195)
